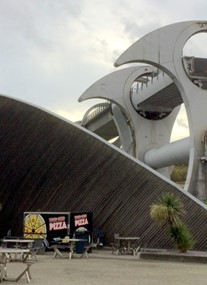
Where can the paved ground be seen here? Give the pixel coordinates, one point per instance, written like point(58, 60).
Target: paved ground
point(103, 268)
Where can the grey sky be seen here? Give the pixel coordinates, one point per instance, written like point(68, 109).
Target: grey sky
point(52, 51)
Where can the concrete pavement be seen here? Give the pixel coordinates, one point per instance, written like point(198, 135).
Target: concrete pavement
point(103, 268)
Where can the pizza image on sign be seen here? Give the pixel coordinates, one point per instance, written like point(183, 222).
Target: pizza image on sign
point(35, 227)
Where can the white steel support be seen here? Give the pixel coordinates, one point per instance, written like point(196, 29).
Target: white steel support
point(162, 50)
point(124, 130)
point(169, 154)
point(147, 134)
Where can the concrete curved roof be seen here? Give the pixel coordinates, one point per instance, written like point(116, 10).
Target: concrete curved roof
point(48, 164)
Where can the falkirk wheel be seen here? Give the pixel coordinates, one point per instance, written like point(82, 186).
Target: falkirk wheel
point(145, 101)
point(51, 165)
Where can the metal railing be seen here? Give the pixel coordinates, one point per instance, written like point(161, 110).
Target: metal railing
point(95, 111)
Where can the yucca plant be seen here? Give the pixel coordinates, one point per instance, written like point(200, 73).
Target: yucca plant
point(182, 237)
point(169, 210)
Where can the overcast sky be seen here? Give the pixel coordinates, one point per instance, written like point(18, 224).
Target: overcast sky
point(51, 51)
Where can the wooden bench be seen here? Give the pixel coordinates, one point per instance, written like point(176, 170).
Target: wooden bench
point(57, 252)
point(3, 271)
point(6, 256)
point(25, 272)
point(87, 249)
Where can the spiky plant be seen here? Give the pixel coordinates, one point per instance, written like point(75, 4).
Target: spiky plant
point(159, 213)
point(169, 210)
point(182, 237)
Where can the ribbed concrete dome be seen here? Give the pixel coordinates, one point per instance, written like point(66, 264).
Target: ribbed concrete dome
point(48, 164)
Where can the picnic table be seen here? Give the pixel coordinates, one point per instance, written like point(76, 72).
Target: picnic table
point(6, 255)
point(18, 243)
point(70, 243)
point(128, 244)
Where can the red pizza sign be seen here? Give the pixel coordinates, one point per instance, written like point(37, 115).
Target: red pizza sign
point(57, 223)
point(81, 220)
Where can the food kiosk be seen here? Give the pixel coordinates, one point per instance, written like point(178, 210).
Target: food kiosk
point(54, 226)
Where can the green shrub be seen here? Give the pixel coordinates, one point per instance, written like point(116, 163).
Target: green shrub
point(182, 237)
point(179, 173)
point(169, 211)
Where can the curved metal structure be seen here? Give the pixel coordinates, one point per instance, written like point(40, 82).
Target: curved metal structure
point(152, 110)
point(95, 111)
point(164, 48)
point(142, 129)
